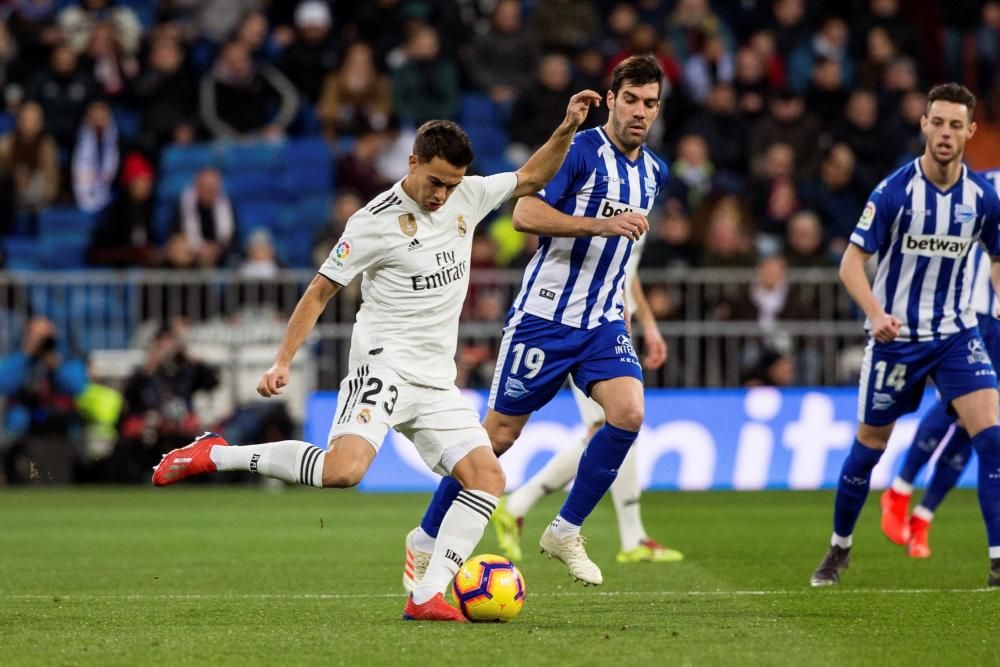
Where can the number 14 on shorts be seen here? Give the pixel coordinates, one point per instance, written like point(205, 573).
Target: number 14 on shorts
point(895, 379)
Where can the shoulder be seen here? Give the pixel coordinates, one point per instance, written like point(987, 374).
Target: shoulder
point(383, 205)
point(659, 164)
point(586, 143)
point(982, 184)
point(897, 184)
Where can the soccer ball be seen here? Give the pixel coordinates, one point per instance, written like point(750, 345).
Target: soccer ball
point(489, 588)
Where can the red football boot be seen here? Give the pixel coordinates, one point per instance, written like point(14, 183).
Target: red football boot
point(918, 546)
point(194, 459)
point(435, 609)
point(895, 508)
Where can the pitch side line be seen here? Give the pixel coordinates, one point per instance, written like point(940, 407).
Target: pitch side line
point(368, 596)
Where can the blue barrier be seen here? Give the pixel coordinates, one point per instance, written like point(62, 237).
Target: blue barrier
point(692, 440)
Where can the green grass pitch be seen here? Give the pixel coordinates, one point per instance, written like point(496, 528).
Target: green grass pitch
point(241, 575)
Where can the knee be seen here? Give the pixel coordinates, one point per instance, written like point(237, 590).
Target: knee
point(628, 417)
point(490, 479)
point(874, 437)
point(342, 475)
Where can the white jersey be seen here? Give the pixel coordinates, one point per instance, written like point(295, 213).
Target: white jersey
point(415, 267)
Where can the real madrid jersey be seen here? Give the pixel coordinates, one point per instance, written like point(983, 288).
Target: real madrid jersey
point(922, 238)
point(579, 281)
point(415, 274)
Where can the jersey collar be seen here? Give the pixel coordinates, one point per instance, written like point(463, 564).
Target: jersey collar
point(618, 151)
point(961, 178)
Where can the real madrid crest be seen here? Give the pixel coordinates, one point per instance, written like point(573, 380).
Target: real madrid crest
point(462, 229)
point(364, 416)
point(408, 224)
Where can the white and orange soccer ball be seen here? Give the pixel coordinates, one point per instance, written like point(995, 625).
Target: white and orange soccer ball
point(489, 588)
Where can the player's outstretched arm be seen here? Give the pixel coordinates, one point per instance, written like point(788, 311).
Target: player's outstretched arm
point(995, 276)
point(532, 215)
point(545, 162)
point(885, 327)
point(652, 339)
point(302, 321)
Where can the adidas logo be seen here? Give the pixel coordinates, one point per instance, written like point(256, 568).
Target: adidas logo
point(414, 245)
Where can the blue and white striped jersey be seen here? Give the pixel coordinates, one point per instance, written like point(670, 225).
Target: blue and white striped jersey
point(984, 299)
point(579, 281)
point(922, 238)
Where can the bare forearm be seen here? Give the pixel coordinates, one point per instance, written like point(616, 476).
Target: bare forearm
point(995, 277)
point(534, 216)
point(304, 318)
point(640, 307)
point(852, 274)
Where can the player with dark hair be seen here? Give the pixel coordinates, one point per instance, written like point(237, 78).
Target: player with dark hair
point(922, 222)
point(413, 246)
point(569, 319)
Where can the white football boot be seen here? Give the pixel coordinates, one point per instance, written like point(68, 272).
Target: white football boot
point(572, 552)
point(415, 566)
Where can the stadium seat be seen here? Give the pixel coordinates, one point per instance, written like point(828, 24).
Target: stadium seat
point(145, 10)
point(64, 219)
point(187, 159)
point(63, 250)
point(253, 215)
point(258, 156)
point(252, 185)
point(6, 122)
point(163, 218)
point(477, 110)
point(127, 121)
point(21, 252)
point(295, 247)
point(171, 186)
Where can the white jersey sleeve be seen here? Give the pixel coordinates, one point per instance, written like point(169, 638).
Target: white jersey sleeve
point(489, 192)
point(359, 249)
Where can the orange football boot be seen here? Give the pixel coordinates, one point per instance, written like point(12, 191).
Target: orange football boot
point(435, 609)
point(917, 546)
point(895, 508)
point(195, 459)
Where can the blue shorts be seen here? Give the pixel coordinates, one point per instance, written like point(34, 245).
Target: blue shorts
point(893, 375)
point(536, 355)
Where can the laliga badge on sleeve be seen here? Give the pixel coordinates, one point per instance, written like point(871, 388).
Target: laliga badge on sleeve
point(867, 216)
point(408, 224)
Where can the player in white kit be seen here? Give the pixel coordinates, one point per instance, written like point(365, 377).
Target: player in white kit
point(413, 246)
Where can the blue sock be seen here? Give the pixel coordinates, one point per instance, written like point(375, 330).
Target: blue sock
point(441, 501)
point(987, 444)
point(852, 487)
point(598, 469)
point(950, 466)
point(931, 430)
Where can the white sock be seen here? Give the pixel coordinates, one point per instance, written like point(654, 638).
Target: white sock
point(460, 532)
point(901, 487)
point(995, 552)
point(625, 496)
point(556, 474)
point(842, 542)
point(422, 540)
point(922, 512)
point(288, 460)
point(561, 528)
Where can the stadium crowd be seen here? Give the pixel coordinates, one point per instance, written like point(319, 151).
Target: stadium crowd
point(243, 134)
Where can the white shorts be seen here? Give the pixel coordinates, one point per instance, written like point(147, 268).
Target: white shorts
point(440, 422)
point(591, 411)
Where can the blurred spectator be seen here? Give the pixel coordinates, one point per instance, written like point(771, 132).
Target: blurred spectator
point(835, 196)
point(790, 26)
point(643, 39)
point(804, 246)
point(124, 236)
point(670, 243)
point(541, 107)
point(900, 77)
point(212, 20)
point(425, 87)
point(166, 93)
point(11, 90)
point(861, 130)
point(501, 60)
point(622, 18)
point(750, 83)
point(241, 99)
point(177, 253)
point(39, 386)
point(380, 23)
point(529, 246)
point(768, 299)
point(691, 175)
point(827, 94)
point(357, 169)
point(768, 368)
point(978, 21)
point(724, 132)
point(911, 107)
point(763, 44)
point(880, 51)
point(345, 204)
point(79, 22)
point(29, 162)
point(692, 23)
point(252, 33)
point(64, 91)
point(113, 68)
point(206, 220)
point(727, 242)
point(710, 65)
point(95, 158)
point(885, 14)
point(159, 405)
point(354, 95)
point(774, 196)
point(662, 303)
point(31, 26)
point(261, 261)
point(787, 122)
point(313, 52)
point(829, 43)
point(564, 25)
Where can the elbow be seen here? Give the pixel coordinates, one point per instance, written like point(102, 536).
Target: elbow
point(519, 224)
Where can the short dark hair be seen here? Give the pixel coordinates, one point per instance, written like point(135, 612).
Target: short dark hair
point(443, 139)
point(952, 92)
point(638, 71)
